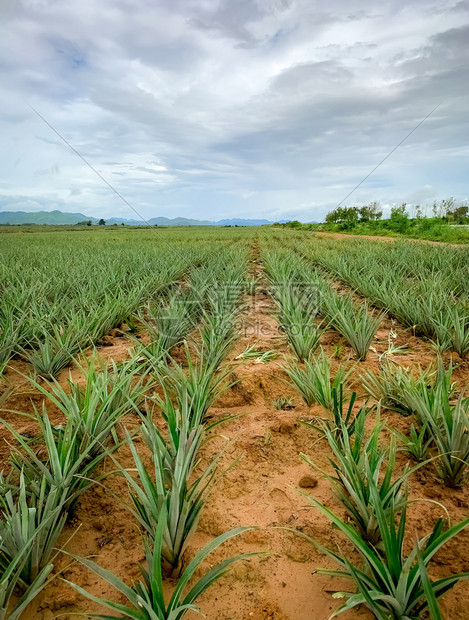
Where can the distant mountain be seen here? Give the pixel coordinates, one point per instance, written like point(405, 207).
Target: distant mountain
point(59, 218)
point(43, 217)
point(178, 221)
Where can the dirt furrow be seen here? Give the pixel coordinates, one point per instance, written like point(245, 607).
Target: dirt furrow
point(262, 449)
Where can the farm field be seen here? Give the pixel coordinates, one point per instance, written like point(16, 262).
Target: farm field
point(163, 388)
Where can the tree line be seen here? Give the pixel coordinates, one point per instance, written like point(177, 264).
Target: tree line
point(446, 211)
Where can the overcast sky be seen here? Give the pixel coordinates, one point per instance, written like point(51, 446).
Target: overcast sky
point(242, 108)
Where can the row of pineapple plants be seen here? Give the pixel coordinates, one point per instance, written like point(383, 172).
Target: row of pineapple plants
point(61, 293)
point(424, 287)
point(44, 485)
point(41, 492)
point(440, 420)
point(389, 581)
point(301, 293)
point(168, 498)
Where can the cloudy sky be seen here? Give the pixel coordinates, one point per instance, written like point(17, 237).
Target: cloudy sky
point(232, 108)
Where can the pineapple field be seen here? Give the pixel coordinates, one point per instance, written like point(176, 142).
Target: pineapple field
point(242, 422)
